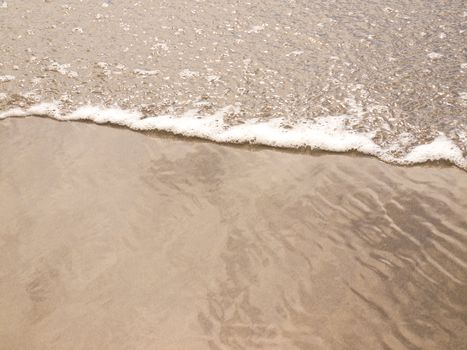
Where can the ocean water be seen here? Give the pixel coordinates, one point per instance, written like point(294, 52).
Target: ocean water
point(388, 79)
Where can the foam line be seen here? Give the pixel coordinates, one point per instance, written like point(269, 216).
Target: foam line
point(326, 133)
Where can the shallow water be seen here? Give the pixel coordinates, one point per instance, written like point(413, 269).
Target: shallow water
point(377, 77)
point(113, 239)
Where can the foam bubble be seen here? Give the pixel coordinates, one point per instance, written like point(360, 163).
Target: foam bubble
point(6, 78)
point(63, 69)
point(145, 72)
point(434, 55)
point(186, 74)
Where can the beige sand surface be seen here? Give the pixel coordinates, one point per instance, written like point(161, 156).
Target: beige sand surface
point(112, 239)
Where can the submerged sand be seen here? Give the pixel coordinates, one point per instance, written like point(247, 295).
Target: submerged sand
point(112, 239)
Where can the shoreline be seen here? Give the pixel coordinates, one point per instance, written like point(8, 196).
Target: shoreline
point(443, 160)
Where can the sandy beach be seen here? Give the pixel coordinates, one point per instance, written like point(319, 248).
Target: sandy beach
point(113, 239)
point(233, 175)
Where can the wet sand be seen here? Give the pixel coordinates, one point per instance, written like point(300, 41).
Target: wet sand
point(112, 239)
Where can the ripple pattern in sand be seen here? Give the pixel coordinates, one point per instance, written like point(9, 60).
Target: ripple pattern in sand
point(192, 245)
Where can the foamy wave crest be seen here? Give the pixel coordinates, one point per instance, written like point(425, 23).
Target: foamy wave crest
point(326, 133)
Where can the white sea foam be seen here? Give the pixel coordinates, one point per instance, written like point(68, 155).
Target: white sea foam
point(256, 29)
point(434, 55)
point(63, 69)
point(326, 133)
point(144, 72)
point(440, 148)
point(186, 74)
point(6, 78)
